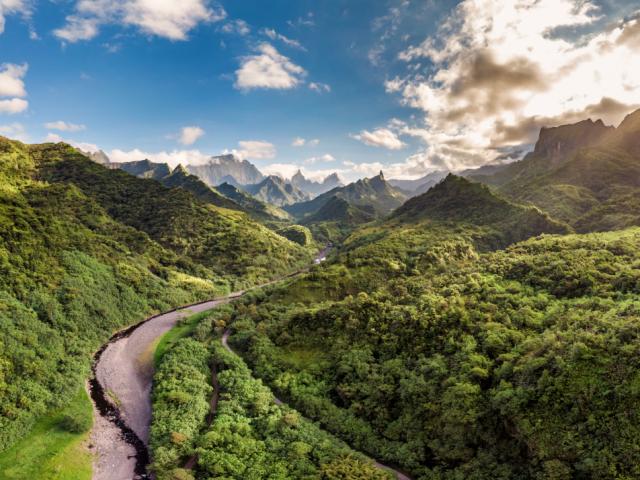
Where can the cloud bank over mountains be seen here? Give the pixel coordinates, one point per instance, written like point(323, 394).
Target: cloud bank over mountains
point(497, 71)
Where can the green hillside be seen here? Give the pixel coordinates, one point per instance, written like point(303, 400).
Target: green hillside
point(457, 201)
point(225, 240)
point(253, 206)
point(85, 250)
point(583, 174)
point(451, 363)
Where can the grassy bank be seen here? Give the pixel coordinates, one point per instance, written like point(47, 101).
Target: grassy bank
point(56, 448)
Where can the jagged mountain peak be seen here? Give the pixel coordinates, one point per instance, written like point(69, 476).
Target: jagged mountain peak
point(557, 143)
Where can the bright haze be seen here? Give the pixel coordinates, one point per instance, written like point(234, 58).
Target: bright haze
point(352, 87)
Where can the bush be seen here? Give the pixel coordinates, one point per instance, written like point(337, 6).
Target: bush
point(76, 423)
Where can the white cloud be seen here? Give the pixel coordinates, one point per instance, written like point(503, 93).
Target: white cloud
point(14, 7)
point(173, 158)
point(381, 137)
point(273, 35)
point(239, 27)
point(255, 150)
point(189, 135)
point(11, 80)
point(319, 159)
point(78, 28)
point(64, 126)
point(163, 18)
point(319, 87)
point(301, 142)
point(14, 131)
point(501, 70)
point(13, 105)
point(268, 69)
point(12, 89)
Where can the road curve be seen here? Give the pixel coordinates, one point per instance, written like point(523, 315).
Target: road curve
point(399, 475)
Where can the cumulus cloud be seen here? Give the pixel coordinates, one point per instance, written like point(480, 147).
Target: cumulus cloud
point(64, 126)
point(12, 89)
point(14, 7)
point(381, 137)
point(13, 106)
point(319, 87)
point(501, 70)
point(173, 158)
point(268, 69)
point(15, 131)
point(190, 135)
point(255, 150)
point(168, 19)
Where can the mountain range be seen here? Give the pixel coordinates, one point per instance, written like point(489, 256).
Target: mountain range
point(227, 168)
point(315, 188)
point(373, 193)
point(276, 191)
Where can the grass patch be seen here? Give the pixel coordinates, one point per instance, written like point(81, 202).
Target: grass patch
point(303, 358)
point(184, 328)
point(54, 449)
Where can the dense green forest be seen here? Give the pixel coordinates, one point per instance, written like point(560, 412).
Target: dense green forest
point(250, 436)
point(85, 250)
point(443, 341)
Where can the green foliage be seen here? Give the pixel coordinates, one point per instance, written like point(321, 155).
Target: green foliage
point(78, 262)
point(181, 395)
point(50, 452)
point(250, 435)
point(297, 234)
point(226, 241)
point(519, 363)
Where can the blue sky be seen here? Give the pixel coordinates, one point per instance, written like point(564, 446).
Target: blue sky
point(365, 84)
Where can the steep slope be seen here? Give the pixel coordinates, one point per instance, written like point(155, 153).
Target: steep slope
point(225, 240)
point(70, 275)
point(458, 201)
point(276, 191)
point(337, 209)
point(220, 168)
point(251, 205)
point(371, 193)
point(181, 178)
point(554, 147)
point(596, 180)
